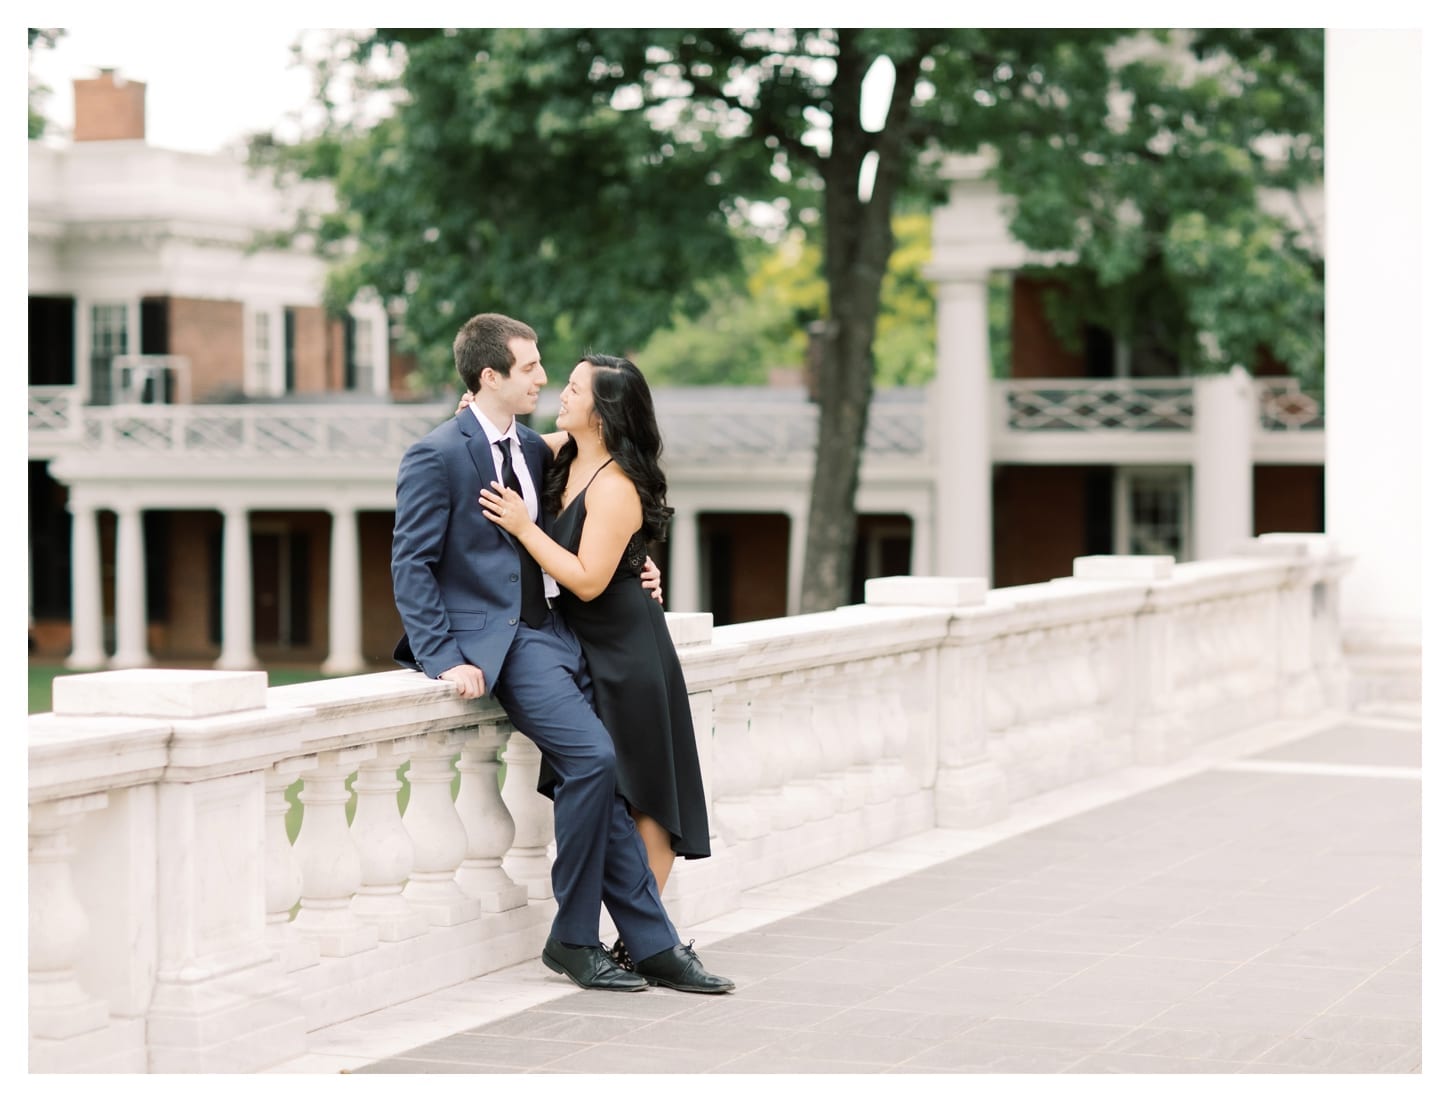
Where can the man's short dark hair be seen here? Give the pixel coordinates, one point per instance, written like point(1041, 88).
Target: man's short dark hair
point(484, 342)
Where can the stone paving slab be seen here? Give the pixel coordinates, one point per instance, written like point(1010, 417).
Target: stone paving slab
point(1229, 921)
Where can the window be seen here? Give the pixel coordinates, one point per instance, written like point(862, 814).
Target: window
point(259, 378)
point(108, 340)
point(362, 363)
point(1157, 513)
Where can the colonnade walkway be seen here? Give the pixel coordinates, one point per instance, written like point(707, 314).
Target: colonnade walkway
point(1255, 907)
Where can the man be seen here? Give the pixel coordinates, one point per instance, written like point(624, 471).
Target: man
point(476, 612)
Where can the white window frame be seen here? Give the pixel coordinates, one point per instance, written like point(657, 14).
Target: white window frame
point(375, 319)
point(85, 350)
point(1123, 479)
point(257, 382)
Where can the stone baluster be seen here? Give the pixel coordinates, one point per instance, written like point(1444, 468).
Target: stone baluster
point(487, 823)
point(737, 768)
point(828, 717)
point(807, 758)
point(527, 861)
point(770, 741)
point(283, 871)
point(331, 865)
point(866, 731)
point(439, 839)
point(896, 677)
point(59, 1006)
point(384, 847)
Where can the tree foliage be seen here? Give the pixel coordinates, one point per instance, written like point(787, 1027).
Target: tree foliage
point(43, 38)
point(596, 183)
point(759, 320)
point(1148, 168)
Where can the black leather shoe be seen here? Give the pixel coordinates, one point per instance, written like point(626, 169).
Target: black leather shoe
point(590, 967)
point(681, 969)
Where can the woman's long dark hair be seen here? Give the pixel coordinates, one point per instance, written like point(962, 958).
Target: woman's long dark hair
point(631, 436)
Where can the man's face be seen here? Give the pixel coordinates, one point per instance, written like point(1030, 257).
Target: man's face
point(518, 391)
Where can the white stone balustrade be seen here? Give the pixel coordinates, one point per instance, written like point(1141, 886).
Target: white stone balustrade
point(163, 884)
point(527, 861)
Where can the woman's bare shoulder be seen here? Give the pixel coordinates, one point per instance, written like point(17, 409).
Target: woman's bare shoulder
point(555, 440)
point(613, 489)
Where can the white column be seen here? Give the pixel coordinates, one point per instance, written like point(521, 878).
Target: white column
point(130, 590)
point(923, 542)
point(1223, 463)
point(87, 650)
point(1373, 361)
point(961, 397)
point(796, 561)
point(682, 586)
point(344, 600)
point(237, 653)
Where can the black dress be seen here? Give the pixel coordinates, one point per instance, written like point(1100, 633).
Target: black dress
point(639, 692)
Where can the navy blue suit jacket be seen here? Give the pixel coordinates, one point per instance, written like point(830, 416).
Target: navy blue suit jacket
point(455, 572)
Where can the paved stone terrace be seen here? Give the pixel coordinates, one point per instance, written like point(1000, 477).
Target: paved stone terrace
point(1255, 909)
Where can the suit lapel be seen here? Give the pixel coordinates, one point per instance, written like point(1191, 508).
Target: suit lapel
point(479, 449)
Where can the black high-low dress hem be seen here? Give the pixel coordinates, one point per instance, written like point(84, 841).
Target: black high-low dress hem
point(639, 693)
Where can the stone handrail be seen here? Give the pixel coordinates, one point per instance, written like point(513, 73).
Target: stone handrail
point(175, 926)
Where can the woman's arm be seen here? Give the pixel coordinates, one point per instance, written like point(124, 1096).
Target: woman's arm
point(614, 515)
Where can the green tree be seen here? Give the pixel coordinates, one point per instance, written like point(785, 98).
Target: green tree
point(760, 320)
point(1158, 199)
point(586, 179)
point(44, 38)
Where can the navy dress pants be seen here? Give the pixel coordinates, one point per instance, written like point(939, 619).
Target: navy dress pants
point(544, 688)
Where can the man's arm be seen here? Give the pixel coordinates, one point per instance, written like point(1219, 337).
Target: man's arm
point(419, 529)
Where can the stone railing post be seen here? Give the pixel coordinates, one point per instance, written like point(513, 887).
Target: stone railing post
point(220, 1001)
point(283, 870)
point(1307, 617)
point(1159, 725)
point(737, 768)
point(769, 740)
point(867, 729)
point(829, 715)
point(385, 850)
point(439, 840)
point(971, 788)
point(331, 865)
point(59, 1006)
point(807, 758)
point(527, 860)
point(487, 822)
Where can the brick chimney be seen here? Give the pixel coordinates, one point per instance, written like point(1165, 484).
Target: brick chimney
point(110, 108)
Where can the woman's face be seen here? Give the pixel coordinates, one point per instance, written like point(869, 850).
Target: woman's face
point(576, 403)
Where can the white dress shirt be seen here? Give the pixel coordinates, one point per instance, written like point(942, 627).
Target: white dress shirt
point(510, 439)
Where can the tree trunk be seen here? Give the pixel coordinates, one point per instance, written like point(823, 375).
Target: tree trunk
point(858, 244)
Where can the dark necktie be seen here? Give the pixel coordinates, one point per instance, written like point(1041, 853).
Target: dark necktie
point(533, 609)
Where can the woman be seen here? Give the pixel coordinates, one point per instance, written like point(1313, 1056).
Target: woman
point(603, 500)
